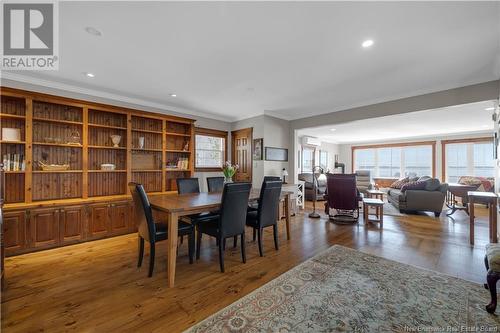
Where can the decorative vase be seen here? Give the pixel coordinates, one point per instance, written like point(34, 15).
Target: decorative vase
point(141, 142)
point(116, 140)
point(228, 180)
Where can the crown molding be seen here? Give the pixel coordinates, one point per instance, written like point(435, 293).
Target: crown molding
point(42, 84)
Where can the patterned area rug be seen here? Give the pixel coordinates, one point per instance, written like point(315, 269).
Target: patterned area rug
point(346, 290)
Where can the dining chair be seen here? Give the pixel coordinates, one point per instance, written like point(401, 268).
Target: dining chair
point(254, 205)
point(187, 185)
point(271, 178)
point(266, 213)
point(231, 219)
point(215, 184)
point(151, 231)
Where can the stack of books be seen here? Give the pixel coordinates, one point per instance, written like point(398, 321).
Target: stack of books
point(13, 162)
point(183, 163)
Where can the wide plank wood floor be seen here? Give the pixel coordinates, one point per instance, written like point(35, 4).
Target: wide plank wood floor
point(96, 286)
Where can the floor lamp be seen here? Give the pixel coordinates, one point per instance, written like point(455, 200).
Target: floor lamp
point(313, 214)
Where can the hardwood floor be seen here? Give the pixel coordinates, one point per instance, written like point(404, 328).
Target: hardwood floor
point(96, 286)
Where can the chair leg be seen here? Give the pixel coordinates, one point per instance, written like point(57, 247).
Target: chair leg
point(492, 279)
point(254, 234)
point(275, 234)
point(235, 241)
point(191, 246)
point(198, 245)
point(243, 253)
point(259, 239)
point(151, 259)
point(141, 251)
point(221, 255)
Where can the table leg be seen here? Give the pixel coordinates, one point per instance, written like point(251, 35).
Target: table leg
point(172, 247)
point(471, 220)
point(287, 215)
point(381, 216)
point(365, 213)
point(494, 238)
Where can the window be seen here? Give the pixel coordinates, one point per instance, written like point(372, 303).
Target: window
point(210, 149)
point(307, 159)
point(469, 157)
point(395, 161)
point(323, 159)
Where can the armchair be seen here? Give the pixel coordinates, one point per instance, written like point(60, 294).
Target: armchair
point(363, 181)
point(343, 197)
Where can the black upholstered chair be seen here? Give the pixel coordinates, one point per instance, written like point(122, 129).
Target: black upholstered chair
point(266, 213)
point(231, 219)
point(152, 231)
point(187, 185)
point(215, 184)
point(255, 205)
point(271, 178)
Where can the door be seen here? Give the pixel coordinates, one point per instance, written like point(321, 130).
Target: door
point(71, 224)
point(14, 232)
point(241, 153)
point(120, 214)
point(98, 221)
point(44, 227)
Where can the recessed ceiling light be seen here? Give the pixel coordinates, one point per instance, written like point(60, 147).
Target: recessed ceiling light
point(333, 129)
point(367, 43)
point(87, 74)
point(173, 95)
point(485, 126)
point(490, 109)
point(93, 31)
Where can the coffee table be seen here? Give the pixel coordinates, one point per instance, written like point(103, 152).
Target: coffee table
point(379, 210)
point(457, 190)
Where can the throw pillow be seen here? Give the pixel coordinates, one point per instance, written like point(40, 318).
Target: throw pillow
point(432, 184)
point(424, 178)
point(418, 185)
point(399, 183)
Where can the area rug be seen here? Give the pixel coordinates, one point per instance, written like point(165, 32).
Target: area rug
point(346, 290)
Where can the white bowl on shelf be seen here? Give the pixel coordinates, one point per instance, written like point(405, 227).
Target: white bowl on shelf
point(11, 134)
point(108, 167)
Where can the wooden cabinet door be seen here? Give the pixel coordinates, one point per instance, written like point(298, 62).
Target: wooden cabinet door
point(44, 228)
point(72, 224)
point(14, 232)
point(120, 215)
point(242, 154)
point(98, 225)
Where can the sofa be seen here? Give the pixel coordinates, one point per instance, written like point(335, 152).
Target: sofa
point(483, 184)
point(430, 199)
point(309, 185)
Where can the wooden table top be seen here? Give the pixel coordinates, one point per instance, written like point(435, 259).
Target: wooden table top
point(174, 202)
point(373, 202)
point(457, 185)
point(375, 192)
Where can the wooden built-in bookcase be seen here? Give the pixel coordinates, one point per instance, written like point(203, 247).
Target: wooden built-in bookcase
point(154, 150)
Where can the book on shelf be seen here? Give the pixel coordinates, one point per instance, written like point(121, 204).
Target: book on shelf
point(182, 164)
point(13, 162)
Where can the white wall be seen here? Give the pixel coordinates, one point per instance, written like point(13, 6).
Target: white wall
point(346, 149)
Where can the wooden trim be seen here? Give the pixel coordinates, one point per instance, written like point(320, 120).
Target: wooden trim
point(7, 91)
point(28, 176)
point(208, 132)
point(452, 141)
point(85, 154)
point(398, 145)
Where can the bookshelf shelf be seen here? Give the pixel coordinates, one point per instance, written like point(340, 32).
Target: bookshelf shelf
point(15, 172)
point(12, 116)
point(57, 121)
point(13, 142)
point(106, 171)
point(107, 147)
point(57, 171)
point(177, 170)
point(146, 131)
point(108, 126)
point(177, 151)
point(65, 145)
point(145, 149)
point(177, 134)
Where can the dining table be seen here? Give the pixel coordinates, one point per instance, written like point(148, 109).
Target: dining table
point(175, 205)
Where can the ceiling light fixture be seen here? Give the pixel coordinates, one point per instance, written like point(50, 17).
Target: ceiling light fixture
point(93, 31)
point(490, 109)
point(173, 95)
point(87, 74)
point(367, 43)
point(333, 129)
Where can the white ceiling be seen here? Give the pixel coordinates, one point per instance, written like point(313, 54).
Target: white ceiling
point(234, 60)
point(459, 119)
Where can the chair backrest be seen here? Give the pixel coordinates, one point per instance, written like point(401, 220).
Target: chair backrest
point(188, 185)
point(342, 192)
point(268, 202)
point(215, 184)
point(363, 180)
point(143, 212)
point(233, 210)
point(271, 178)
